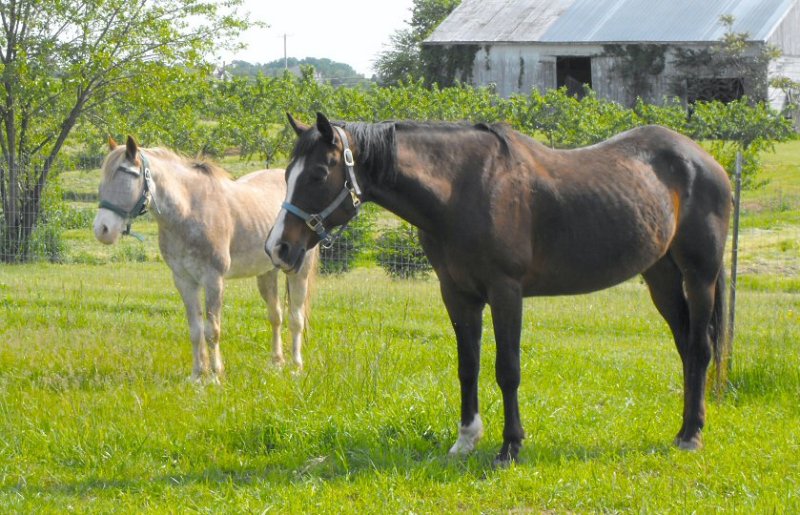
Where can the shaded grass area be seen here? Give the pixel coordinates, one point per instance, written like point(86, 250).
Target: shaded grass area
point(96, 413)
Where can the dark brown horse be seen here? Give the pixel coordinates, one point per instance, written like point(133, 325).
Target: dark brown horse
point(502, 217)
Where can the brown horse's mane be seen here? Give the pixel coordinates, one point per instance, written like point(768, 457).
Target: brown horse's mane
point(375, 142)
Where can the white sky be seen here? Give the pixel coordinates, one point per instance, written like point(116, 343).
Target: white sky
point(353, 32)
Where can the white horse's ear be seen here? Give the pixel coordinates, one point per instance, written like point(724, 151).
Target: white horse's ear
point(325, 128)
point(111, 143)
point(298, 127)
point(131, 149)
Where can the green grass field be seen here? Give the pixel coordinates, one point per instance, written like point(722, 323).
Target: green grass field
point(97, 415)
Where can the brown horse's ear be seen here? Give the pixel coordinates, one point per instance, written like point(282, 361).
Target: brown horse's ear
point(111, 143)
point(131, 148)
point(325, 128)
point(298, 127)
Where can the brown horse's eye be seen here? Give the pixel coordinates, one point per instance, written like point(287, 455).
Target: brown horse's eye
point(319, 173)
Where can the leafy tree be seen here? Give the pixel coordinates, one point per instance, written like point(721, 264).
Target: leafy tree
point(732, 56)
point(405, 58)
point(68, 61)
point(338, 74)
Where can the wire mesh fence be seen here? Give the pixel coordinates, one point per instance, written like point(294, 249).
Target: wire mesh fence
point(57, 227)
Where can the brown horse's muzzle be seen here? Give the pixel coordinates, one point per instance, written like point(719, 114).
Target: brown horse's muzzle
point(288, 241)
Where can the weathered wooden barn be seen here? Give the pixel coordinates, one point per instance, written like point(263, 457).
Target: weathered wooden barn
point(623, 49)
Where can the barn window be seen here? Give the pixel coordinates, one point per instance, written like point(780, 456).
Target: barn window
point(706, 90)
point(574, 72)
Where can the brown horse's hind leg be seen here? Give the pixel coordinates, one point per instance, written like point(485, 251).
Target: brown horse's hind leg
point(700, 297)
point(684, 295)
point(665, 282)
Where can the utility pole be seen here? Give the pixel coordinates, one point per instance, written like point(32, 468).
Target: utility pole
point(285, 55)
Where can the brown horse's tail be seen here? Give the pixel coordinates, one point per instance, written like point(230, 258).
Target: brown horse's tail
point(720, 337)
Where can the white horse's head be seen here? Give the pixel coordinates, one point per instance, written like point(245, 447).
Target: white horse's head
point(123, 191)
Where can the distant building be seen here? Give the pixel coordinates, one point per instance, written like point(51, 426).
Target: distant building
point(621, 48)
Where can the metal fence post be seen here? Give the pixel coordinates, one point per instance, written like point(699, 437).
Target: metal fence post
point(734, 252)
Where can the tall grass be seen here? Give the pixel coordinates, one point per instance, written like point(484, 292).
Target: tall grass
point(96, 413)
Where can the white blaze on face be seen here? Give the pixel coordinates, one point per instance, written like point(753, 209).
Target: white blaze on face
point(278, 228)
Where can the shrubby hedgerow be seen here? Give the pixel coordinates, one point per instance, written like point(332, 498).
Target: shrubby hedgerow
point(249, 115)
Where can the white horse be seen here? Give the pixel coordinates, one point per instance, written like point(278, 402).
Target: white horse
point(210, 228)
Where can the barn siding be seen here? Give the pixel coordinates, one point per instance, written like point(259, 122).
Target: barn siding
point(518, 68)
point(787, 35)
point(785, 66)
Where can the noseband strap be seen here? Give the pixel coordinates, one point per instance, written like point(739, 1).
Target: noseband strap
point(141, 205)
point(316, 221)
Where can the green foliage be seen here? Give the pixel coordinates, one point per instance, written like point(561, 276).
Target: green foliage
point(349, 247)
point(47, 240)
point(740, 121)
point(92, 63)
point(448, 65)
point(400, 254)
point(734, 55)
point(639, 64)
point(405, 59)
point(331, 71)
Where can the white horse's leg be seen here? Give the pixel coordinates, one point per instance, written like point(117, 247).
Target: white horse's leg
point(214, 290)
point(298, 290)
point(190, 293)
point(268, 287)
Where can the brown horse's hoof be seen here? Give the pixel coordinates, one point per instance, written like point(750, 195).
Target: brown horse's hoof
point(694, 443)
point(508, 454)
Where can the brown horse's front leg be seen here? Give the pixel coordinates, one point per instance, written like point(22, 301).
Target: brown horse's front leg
point(506, 304)
point(466, 317)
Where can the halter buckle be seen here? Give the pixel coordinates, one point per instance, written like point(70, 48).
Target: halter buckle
point(315, 223)
point(353, 194)
point(348, 157)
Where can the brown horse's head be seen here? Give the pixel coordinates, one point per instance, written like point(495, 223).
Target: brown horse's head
point(122, 191)
point(322, 192)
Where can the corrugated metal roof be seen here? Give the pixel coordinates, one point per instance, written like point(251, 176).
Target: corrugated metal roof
point(489, 21)
point(607, 21)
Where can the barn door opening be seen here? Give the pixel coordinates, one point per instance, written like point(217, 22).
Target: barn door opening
point(574, 72)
